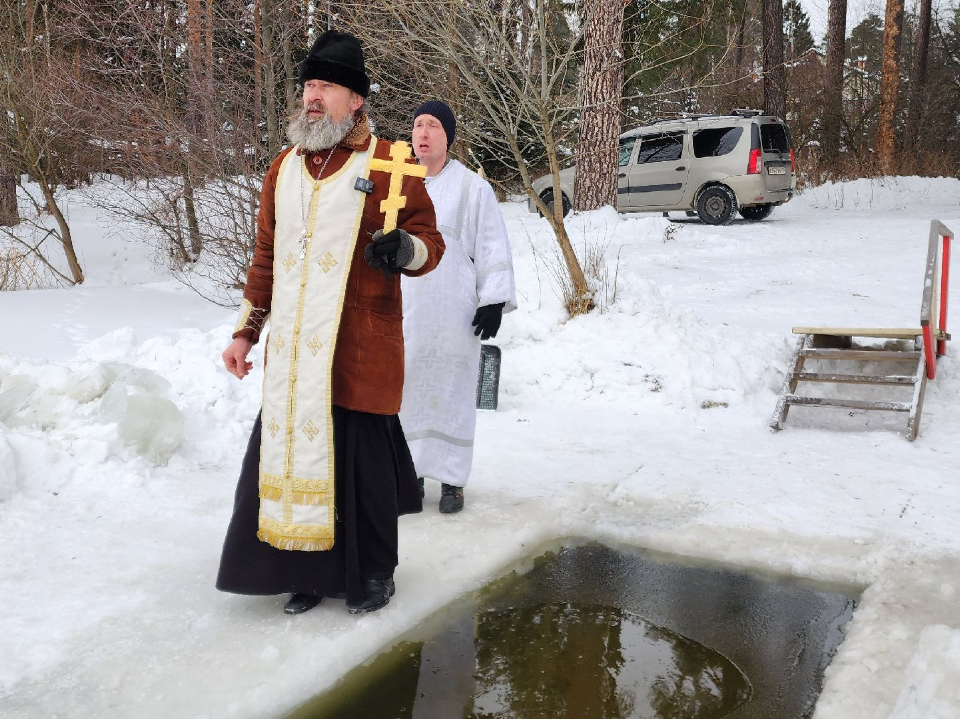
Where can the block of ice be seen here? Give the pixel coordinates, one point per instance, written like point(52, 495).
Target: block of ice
point(15, 398)
point(92, 385)
point(149, 423)
point(113, 405)
point(153, 425)
point(96, 382)
point(8, 469)
point(141, 378)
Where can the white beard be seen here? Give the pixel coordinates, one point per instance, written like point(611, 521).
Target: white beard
point(317, 134)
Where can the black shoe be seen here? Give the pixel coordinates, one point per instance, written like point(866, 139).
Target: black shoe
point(422, 491)
point(300, 603)
point(451, 498)
point(378, 594)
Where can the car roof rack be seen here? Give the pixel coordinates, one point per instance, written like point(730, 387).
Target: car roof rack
point(682, 118)
point(736, 112)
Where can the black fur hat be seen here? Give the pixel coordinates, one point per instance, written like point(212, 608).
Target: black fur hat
point(338, 58)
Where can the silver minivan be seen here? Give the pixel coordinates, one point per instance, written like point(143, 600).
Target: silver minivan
point(711, 166)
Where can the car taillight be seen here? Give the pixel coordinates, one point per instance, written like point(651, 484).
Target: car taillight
point(755, 163)
point(792, 161)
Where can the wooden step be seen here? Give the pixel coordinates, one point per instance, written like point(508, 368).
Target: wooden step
point(795, 375)
point(895, 333)
point(831, 354)
point(854, 404)
point(858, 379)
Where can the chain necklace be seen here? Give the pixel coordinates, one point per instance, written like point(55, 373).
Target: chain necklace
point(307, 235)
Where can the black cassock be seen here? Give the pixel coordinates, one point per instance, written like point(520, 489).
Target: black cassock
point(375, 484)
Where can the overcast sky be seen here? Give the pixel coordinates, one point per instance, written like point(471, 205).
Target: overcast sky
point(856, 11)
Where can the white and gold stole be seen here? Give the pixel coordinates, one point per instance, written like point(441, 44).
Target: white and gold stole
point(296, 447)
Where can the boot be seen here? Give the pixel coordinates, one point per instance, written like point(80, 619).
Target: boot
point(422, 491)
point(451, 498)
point(378, 594)
point(300, 603)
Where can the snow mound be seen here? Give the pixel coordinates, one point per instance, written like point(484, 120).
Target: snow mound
point(885, 193)
point(118, 403)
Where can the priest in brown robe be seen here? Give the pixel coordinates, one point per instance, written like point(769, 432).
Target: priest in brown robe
point(327, 471)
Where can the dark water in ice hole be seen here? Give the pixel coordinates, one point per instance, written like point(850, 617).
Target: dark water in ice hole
point(592, 631)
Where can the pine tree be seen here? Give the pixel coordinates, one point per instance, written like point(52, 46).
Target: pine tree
point(796, 29)
point(601, 88)
point(889, 85)
point(833, 79)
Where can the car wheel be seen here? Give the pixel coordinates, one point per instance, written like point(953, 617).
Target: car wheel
point(547, 197)
point(717, 205)
point(756, 212)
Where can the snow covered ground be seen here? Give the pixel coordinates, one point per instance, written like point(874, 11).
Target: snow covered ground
point(644, 423)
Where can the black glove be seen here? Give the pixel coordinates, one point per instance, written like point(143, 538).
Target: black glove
point(389, 252)
point(487, 320)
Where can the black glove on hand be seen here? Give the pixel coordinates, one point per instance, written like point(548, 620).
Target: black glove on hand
point(389, 252)
point(487, 320)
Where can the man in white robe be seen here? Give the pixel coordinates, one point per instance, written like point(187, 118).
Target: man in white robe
point(447, 313)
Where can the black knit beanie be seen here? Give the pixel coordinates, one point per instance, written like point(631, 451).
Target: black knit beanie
point(338, 58)
point(442, 112)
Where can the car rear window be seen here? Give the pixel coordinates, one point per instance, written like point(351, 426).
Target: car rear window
point(714, 142)
point(775, 138)
point(660, 148)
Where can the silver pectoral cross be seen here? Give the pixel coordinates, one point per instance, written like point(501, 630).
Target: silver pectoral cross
point(304, 237)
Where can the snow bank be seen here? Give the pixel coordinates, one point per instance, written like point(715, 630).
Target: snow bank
point(118, 402)
point(884, 193)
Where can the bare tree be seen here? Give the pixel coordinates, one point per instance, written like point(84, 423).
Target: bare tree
point(516, 63)
point(601, 88)
point(37, 132)
point(889, 85)
point(189, 124)
point(833, 79)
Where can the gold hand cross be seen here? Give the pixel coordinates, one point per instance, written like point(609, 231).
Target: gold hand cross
point(397, 167)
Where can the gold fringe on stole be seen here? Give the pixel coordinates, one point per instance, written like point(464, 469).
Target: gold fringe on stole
point(295, 537)
point(292, 542)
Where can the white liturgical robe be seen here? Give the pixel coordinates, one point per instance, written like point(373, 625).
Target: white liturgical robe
point(442, 354)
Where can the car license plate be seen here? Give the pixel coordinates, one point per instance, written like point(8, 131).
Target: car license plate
point(777, 170)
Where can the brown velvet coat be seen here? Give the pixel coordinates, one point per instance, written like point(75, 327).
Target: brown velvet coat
point(368, 361)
